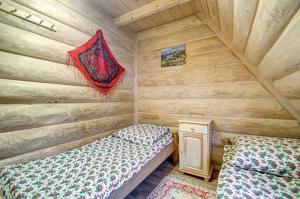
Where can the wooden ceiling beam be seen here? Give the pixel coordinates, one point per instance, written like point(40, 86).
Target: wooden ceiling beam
point(146, 10)
point(266, 83)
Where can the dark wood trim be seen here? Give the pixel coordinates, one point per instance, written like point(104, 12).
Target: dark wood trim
point(175, 155)
point(227, 141)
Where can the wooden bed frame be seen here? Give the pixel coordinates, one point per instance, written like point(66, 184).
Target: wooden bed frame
point(137, 178)
point(227, 141)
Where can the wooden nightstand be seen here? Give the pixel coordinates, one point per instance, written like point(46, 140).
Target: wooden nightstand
point(195, 147)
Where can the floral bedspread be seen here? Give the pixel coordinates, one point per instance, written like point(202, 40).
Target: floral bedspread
point(145, 134)
point(277, 156)
point(238, 183)
point(91, 171)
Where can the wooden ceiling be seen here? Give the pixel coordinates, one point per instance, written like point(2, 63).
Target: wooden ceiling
point(118, 7)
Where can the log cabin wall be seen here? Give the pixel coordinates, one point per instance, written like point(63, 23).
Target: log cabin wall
point(212, 84)
point(44, 108)
point(281, 65)
point(263, 35)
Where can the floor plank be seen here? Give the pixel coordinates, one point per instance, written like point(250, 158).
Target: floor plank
point(148, 185)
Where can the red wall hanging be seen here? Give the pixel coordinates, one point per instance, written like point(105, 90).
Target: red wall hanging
point(96, 62)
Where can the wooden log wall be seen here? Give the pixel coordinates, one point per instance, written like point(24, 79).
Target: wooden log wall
point(264, 35)
point(45, 107)
point(212, 84)
point(281, 65)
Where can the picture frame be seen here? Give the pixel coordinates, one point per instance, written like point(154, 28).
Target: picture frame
point(173, 56)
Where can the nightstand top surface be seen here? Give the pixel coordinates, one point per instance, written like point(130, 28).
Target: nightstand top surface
point(195, 121)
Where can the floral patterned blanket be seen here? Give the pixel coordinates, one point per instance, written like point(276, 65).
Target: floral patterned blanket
point(91, 171)
point(146, 134)
point(236, 182)
point(273, 155)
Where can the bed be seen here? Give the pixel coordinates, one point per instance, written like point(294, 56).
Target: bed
point(237, 181)
point(108, 168)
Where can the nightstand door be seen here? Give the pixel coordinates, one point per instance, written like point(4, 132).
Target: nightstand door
point(191, 152)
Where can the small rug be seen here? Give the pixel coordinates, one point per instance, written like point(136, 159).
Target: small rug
point(172, 187)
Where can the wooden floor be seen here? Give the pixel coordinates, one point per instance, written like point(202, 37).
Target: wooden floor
point(149, 184)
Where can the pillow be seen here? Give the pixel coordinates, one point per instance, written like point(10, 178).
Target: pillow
point(263, 141)
point(145, 134)
point(278, 156)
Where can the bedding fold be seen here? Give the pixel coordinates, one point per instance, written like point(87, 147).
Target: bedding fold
point(237, 182)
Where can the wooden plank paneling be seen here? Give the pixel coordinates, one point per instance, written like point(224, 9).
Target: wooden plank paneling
point(149, 61)
point(271, 19)
point(195, 59)
point(283, 58)
point(92, 11)
point(174, 39)
point(26, 43)
point(265, 82)
point(169, 28)
point(16, 92)
point(143, 24)
point(186, 8)
point(54, 150)
point(18, 117)
point(117, 8)
point(203, 9)
point(18, 67)
point(253, 108)
point(146, 10)
point(214, 13)
point(215, 58)
point(209, 86)
point(63, 14)
point(213, 83)
point(114, 7)
point(244, 13)
point(289, 85)
point(247, 90)
point(204, 46)
point(119, 45)
point(33, 74)
point(22, 42)
point(18, 142)
point(251, 126)
point(77, 38)
point(61, 29)
point(199, 53)
point(231, 73)
point(296, 104)
point(226, 17)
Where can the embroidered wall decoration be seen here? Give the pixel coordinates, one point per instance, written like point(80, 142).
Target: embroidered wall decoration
point(96, 62)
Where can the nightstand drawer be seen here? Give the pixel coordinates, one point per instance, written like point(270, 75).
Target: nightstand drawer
point(194, 128)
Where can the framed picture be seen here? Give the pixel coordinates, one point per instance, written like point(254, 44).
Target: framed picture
point(173, 56)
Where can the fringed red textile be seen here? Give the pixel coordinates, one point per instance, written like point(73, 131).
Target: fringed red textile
point(96, 62)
